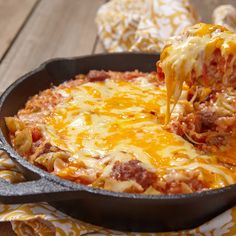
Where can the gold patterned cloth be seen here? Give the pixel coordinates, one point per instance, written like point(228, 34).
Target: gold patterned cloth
point(142, 25)
point(124, 25)
point(145, 25)
point(225, 15)
point(41, 219)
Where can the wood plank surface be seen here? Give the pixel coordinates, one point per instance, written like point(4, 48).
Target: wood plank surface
point(58, 28)
point(13, 14)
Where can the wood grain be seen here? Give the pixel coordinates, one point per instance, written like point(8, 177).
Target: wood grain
point(58, 28)
point(13, 14)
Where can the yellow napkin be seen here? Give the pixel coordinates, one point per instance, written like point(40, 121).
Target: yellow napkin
point(225, 15)
point(124, 25)
point(40, 219)
point(142, 25)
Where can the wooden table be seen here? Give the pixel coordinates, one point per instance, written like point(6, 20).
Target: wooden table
point(32, 31)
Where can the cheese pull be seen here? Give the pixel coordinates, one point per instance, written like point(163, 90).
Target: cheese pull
point(203, 56)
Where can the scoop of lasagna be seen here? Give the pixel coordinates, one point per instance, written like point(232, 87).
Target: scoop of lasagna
point(105, 129)
point(203, 60)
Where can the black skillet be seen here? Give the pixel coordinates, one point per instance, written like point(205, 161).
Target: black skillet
point(121, 211)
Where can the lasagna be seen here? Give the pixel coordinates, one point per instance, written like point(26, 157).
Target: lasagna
point(204, 60)
point(164, 132)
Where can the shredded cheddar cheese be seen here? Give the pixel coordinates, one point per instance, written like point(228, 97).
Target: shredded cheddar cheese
point(115, 117)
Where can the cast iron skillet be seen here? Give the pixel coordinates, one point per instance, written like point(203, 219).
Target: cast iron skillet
point(121, 211)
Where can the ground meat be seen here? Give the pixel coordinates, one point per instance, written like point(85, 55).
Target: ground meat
point(97, 75)
point(210, 122)
point(133, 170)
point(128, 75)
point(42, 147)
point(227, 123)
point(178, 182)
point(206, 120)
point(36, 134)
point(202, 129)
point(189, 186)
point(100, 75)
point(160, 73)
point(45, 101)
point(214, 71)
point(217, 140)
point(173, 182)
point(77, 81)
point(132, 75)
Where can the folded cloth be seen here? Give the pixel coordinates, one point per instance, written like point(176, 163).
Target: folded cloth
point(41, 219)
point(142, 25)
point(225, 15)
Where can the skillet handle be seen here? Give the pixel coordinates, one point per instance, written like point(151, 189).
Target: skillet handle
point(40, 189)
point(33, 191)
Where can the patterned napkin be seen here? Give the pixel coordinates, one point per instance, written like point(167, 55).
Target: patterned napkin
point(142, 25)
point(43, 220)
point(146, 25)
point(124, 25)
point(225, 15)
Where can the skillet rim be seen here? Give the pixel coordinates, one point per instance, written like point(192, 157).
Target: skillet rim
point(5, 146)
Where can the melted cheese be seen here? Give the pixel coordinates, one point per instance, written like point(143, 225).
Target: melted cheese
point(123, 119)
point(189, 52)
